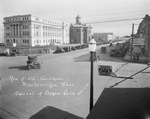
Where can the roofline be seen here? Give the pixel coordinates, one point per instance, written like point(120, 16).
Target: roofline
point(36, 16)
point(18, 16)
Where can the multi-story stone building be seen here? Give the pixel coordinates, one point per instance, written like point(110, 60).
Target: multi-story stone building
point(80, 33)
point(143, 32)
point(29, 30)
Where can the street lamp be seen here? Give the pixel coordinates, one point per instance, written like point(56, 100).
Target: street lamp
point(131, 43)
point(92, 48)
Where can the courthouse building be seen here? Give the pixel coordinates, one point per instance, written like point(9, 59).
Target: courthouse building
point(80, 33)
point(29, 30)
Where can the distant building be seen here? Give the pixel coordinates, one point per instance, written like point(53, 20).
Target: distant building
point(126, 38)
point(103, 37)
point(29, 30)
point(80, 33)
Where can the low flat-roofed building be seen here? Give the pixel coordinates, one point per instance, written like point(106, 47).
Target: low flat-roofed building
point(103, 37)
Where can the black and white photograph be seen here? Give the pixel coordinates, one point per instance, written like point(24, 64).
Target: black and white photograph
point(74, 59)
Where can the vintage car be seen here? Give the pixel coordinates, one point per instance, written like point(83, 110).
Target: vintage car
point(7, 52)
point(103, 49)
point(32, 62)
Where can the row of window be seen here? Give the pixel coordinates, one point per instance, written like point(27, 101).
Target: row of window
point(11, 40)
point(25, 27)
point(17, 19)
point(7, 28)
point(7, 34)
point(52, 22)
point(48, 41)
point(25, 41)
point(51, 28)
point(49, 22)
point(48, 28)
point(16, 41)
point(26, 33)
point(48, 34)
point(36, 41)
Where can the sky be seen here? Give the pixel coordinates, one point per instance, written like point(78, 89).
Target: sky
point(115, 16)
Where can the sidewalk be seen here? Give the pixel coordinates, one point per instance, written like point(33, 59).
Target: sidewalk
point(141, 59)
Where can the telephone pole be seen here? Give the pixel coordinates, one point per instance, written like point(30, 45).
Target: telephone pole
point(132, 41)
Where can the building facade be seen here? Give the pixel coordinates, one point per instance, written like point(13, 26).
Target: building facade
point(143, 32)
point(103, 37)
point(80, 33)
point(29, 30)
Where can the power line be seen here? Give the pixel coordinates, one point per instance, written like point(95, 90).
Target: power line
point(104, 14)
point(115, 13)
point(129, 77)
point(117, 20)
point(127, 25)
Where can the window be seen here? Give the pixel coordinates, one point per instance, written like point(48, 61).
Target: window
point(28, 33)
point(37, 33)
point(25, 41)
point(7, 34)
point(25, 26)
point(7, 27)
point(7, 40)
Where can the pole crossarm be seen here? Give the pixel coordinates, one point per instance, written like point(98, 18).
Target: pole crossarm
point(122, 77)
point(130, 77)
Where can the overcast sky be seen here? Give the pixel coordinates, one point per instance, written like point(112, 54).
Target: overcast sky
point(95, 12)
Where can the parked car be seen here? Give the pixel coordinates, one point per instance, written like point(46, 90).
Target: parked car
point(7, 52)
point(60, 50)
point(32, 62)
point(103, 49)
point(2, 44)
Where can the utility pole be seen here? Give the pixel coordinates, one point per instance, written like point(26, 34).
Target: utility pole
point(132, 41)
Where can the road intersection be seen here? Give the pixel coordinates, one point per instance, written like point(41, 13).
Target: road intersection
point(62, 82)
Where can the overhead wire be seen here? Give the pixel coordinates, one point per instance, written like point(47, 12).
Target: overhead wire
point(114, 73)
point(117, 20)
point(71, 17)
point(129, 77)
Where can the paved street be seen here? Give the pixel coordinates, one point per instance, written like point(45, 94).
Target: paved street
point(62, 82)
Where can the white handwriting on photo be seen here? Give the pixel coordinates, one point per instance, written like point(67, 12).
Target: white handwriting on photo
point(47, 87)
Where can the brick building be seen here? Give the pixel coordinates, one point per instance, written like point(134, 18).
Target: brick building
point(80, 33)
